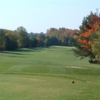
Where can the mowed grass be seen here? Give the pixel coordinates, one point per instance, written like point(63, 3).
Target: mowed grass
point(47, 74)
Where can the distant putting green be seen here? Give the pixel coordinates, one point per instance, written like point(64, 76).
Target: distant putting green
point(47, 74)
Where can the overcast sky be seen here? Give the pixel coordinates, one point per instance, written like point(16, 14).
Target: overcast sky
point(40, 15)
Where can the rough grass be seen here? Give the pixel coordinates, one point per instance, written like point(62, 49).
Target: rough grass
point(46, 74)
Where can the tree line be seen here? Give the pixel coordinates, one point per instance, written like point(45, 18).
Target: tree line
point(20, 38)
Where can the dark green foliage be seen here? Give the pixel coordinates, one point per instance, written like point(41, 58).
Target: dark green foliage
point(2, 40)
point(85, 22)
point(33, 42)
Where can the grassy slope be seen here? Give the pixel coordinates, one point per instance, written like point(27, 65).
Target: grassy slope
point(46, 74)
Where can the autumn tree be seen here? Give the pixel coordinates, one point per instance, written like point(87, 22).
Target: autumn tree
point(62, 36)
point(86, 38)
point(41, 40)
point(10, 40)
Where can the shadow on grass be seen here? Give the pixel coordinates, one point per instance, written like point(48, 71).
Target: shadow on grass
point(38, 49)
point(23, 51)
point(12, 52)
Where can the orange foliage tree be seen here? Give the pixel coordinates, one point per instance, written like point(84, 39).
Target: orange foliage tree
point(85, 39)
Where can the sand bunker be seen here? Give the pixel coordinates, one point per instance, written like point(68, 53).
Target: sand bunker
point(75, 67)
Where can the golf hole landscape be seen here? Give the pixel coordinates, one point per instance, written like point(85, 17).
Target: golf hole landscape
point(51, 73)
